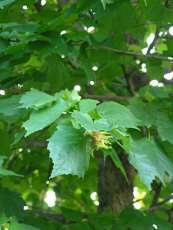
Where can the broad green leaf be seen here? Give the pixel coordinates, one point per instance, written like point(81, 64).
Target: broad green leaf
point(70, 151)
point(10, 203)
point(150, 162)
point(114, 156)
point(84, 120)
point(165, 127)
point(9, 107)
point(102, 125)
point(117, 115)
point(14, 225)
point(87, 105)
point(87, 123)
point(146, 116)
point(40, 119)
point(36, 99)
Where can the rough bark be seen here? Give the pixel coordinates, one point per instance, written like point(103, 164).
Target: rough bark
point(115, 193)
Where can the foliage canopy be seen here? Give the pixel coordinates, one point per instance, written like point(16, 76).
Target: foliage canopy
point(82, 84)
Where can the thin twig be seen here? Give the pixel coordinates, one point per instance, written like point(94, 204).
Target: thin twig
point(107, 97)
point(134, 54)
point(160, 204)
point(128, 79)
point(151, 46)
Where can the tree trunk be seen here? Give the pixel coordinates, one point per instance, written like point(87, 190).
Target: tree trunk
point(115, 193)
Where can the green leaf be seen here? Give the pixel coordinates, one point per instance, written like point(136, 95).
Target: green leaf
point(113, 154)
point(150, 162)
point(105, 2)
point(102, 125)
point(5, 172)
point(3, 219)
point(4, 3)
point(138, 108)
point(44, 117)
point(36, 99)
point(10, 203)
point(70, 151)
point(87, 105)
point(165, 127)
point(9, 107)
point(117, 115)
point(14, 225)
point(84, 120)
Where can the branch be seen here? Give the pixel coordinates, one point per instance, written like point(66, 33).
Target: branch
point(160, 204)
point(54, 216)
point(108, 97)
point(151, 46)
point(156, 193)
point(130, 85)
point(130, 53)
point(34, 143)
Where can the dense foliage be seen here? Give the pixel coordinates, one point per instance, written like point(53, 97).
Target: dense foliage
point(86, 114)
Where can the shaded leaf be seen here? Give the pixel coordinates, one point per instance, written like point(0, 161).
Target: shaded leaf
point(114, 156)
point(150, 162)
point(70, 151)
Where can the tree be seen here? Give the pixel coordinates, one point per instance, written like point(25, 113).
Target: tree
point(86, 129)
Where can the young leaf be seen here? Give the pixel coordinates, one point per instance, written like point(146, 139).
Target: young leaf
point(70, 151)
point(36, 99)
point(44, 117)
point(84, 120)
point(87, 105)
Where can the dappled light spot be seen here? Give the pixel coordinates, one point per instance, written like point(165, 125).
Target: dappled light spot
point(50, 198)
point(168, 76)
point(155, 226)
point(77, 88)
point(92, 83)
point(63, 32)
point(25, 7)
point(2, 92)
point(156, 83)
point(95, 68)
point(171, 30)
point(43, 2)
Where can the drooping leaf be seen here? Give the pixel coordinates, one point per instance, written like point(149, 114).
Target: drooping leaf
point(70, 151)
point(36, 99)
point(44, 117)
point(150, 162)
point(114, 156)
